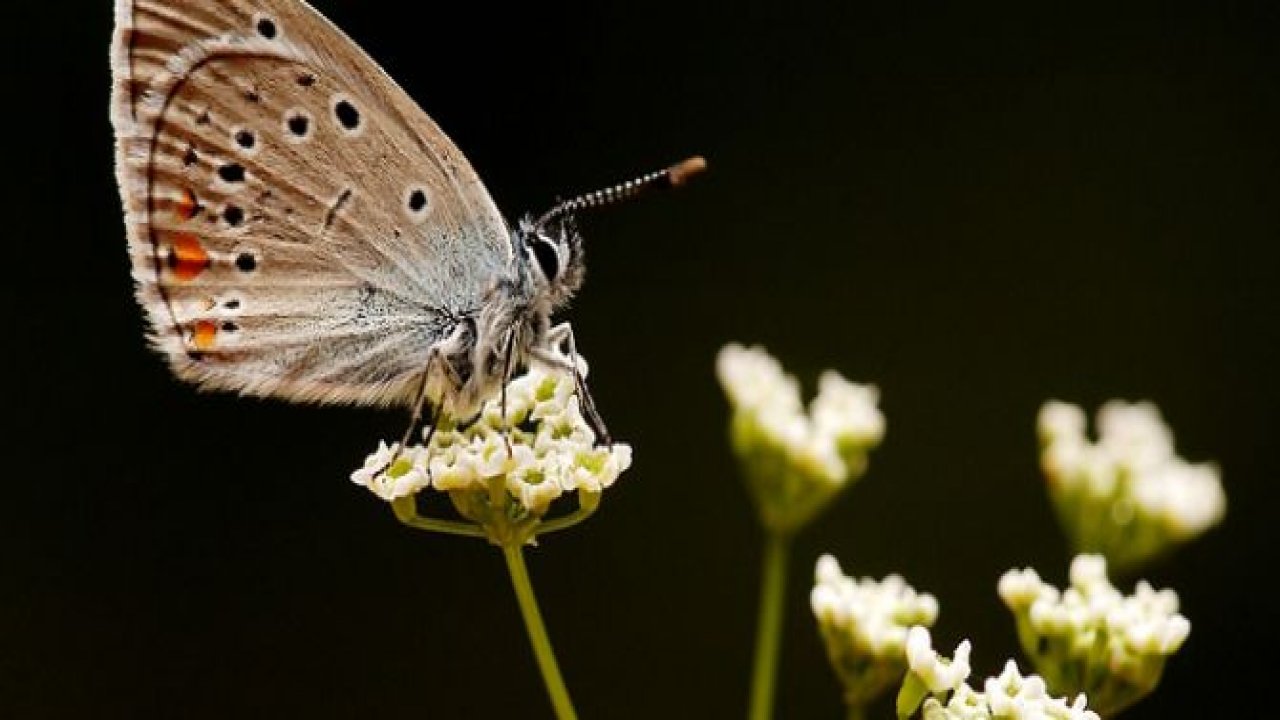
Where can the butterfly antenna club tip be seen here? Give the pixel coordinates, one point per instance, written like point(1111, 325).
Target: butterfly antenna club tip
point(686, 169)
point(669, 177)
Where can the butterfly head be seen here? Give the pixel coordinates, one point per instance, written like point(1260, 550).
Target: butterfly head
point(551, 246)
point(551, 249)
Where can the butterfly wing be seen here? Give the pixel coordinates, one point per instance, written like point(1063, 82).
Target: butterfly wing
point(298, 227)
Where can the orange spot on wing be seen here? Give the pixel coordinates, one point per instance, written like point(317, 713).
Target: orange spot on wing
point(203, 333)
point(185, 207)
point(188, 258)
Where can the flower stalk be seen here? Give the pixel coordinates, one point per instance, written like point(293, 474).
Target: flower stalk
point(773, 597)
point(537, 630)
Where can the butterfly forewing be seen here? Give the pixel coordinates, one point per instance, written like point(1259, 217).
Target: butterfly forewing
point(298, 227)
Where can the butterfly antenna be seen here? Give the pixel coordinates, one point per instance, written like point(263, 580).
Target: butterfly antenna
point(669, 177)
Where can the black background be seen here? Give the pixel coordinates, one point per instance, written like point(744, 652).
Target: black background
point(976, 208)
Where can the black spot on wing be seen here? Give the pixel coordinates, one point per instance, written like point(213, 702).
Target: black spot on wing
point(231, 173)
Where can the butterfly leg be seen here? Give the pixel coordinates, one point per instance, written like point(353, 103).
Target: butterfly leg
point(436, 356)
point(421, 402)
point(507, 369)
point(563, 333)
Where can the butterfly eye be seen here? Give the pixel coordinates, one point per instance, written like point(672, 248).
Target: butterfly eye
point(548, 259)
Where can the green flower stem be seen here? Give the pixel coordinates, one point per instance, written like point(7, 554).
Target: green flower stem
point(562, 523)
point(406, 510)
point(911, 695)
point(538, 633)
point(773, 586)
point(856, 712)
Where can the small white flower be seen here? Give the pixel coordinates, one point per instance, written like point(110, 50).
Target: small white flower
point(1135, 433)
point(1059, 420)
point(753, 379)
point(1186, 498)
point(1012, 695)
point(828, 571)
point(1148, 622)
point(937, 673)
point(1048, 618)
point(1021, 588)
point(389, 483)
point(374, 464)
point(847, 411)
point(968, 704)
point(1077, 710)
point(1089, 573)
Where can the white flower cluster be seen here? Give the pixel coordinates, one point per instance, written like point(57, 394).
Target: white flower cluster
point(842, 415)
point(1127, 495)
point(946, 695)
point(542, 450)
point(796, 461)
point(1091, 638)
point(864, 625)
point(874, 616)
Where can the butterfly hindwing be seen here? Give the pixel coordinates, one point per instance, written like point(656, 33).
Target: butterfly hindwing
point(297, 226)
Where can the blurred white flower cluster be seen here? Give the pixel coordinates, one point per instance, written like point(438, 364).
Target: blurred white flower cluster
point(1092, 639)
point(864, 625)
point(795, 462)
point(503, 473)
point(938, 688)
point(1127, 495)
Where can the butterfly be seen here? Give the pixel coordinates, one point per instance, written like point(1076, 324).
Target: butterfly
point(299, 228)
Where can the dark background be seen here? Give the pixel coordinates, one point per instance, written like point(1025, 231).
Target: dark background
point(976, 208)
